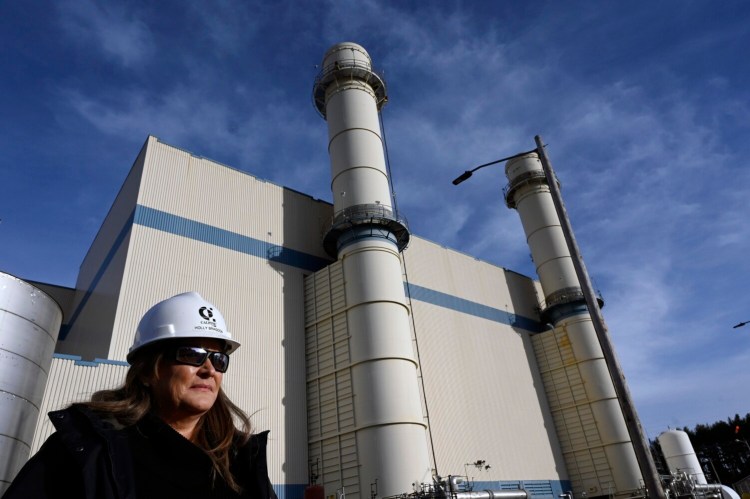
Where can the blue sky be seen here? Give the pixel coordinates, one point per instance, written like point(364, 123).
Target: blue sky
point(644, 106)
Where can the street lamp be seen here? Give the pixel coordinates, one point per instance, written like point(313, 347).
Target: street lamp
point(733, 327)
point(468, 173)
point(632, 422)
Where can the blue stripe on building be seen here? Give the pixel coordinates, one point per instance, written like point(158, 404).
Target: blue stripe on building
point(65, 329)
point(90, 363)
point(197, 231)
point(472, 308)
point(173, 224)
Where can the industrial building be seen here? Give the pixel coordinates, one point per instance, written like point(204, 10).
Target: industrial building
point(378, 360)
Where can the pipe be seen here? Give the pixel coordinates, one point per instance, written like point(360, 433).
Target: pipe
point(492, 494)
point(707, 487)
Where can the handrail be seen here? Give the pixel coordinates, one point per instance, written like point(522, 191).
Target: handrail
point(353, 68)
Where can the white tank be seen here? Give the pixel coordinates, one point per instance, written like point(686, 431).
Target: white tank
point(728, 492)
point(680, 456)
point(29, 323)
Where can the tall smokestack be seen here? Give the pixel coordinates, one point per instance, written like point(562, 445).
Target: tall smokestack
point(565, 308)
point(367, 235)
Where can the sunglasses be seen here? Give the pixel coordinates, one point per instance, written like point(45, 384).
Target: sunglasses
point(196, 356)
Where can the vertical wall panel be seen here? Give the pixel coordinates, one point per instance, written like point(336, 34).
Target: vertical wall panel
point(260, 297)
point(72, 380)
point(331, 422)
point(482, 384)
point(89, 326)
point(575, 424)
point(482, 387)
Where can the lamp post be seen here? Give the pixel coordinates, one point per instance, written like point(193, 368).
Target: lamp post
point(468, 173)
point(733, 327)
point(632, 422)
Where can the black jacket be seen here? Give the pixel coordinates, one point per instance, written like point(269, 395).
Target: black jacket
point(88, 457)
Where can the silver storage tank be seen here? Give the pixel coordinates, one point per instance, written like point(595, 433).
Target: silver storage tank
point(29, 323)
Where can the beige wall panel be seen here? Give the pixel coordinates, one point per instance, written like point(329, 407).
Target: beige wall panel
point(442, 269)
point(208, 192)
point(482, 389)
point(331, 418)
point(262, 302)
point(261, 298)
point(91, 329)
point(484, 399)
point(98, 284)
point(579, 436)
point(71, 381)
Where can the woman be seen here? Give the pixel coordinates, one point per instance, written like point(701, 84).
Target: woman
point(169, 431)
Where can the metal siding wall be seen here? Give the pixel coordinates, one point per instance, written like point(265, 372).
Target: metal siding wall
point(98, 284)
point(330, 400)
point(261, 299)
point(579, 436)
point(446, 270)
point(483, 389)
point(205, 191)
point(262, 306)
point(91, 333)
point(72, 381)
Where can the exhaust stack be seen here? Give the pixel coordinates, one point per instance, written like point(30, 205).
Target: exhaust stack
point(367, 235)
point(565, 308)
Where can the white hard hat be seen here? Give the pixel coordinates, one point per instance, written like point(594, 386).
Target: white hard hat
point(186, 315)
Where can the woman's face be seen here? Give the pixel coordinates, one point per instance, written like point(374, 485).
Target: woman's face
point(185, 391)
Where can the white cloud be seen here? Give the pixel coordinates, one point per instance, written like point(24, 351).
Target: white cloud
point(109, 28)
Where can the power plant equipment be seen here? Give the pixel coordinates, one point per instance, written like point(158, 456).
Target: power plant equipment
point(29, 324)
point(366, 235)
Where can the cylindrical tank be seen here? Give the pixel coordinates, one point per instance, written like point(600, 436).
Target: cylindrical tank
point(680, 455)
point(29, 323)
point(566, 309)
point(367, 236)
